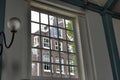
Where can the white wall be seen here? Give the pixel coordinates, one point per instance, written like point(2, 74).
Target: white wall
point(14, 59)
point(99, 51)
point(15, 65)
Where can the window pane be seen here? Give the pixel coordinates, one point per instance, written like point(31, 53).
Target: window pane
point(53, 20)
point(73, 72)
point(45, 56)
point(46, 71)
point(71, 47)
point(44, 18)
point(60, 33)
point(55, 54)
point(35, 28)
point(35, 54)
point(45, 42)
point(35, 16)
point(70, 36)
point(64, 46)
point(66, 73)
point(35, 41)
point(61, 22)
point(56, 73)
point(72, 59)
point(44, 30)
point(69, 24)
point(53, 32)
point(35, 69)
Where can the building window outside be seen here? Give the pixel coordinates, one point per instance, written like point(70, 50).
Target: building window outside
point(55, 48)
point(47, 67)
point(36, 41)
point(58, 70)
point(46, 43)
point(60, 33)
point(58, 46)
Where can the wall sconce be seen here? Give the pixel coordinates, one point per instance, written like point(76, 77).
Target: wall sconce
point(13, 24)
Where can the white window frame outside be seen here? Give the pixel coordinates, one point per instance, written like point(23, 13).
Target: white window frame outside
point(36, 41)
point(58, 46)
point(46, 58)
point(60, 33)
point(62, 67)
point(48, 44)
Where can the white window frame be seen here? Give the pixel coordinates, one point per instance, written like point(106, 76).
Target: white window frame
point(71, 12)
point(46, 47)
point(60, 33)
point(58, 46)
point(47, 59)
point(36, 41)
point(58, 64)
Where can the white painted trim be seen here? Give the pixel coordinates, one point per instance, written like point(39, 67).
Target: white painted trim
point(60, 4)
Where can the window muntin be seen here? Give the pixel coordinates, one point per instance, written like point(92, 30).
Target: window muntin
point(56, 40)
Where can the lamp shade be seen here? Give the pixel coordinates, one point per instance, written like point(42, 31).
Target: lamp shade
point(14, 23)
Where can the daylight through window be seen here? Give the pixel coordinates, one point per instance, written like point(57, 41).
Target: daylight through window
point(52, 46)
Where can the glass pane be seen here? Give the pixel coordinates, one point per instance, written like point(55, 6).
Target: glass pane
point(35, 41)
point(55, 45)
point(45, 56)
point(73, 72)
point(35, 28)
point(53, 20)
point(64, 56)
point(35, 69)
point(63, 46)
point(46, 71)
point(71, 47)
point(44, 18)
point(55, 55)
point(72, 59)
point(35, 16)
point(60, 33)
point(69, 24)
point(57, 69)
point(44, 30)
point(57, 60)
point(53, 32)
point(66, 73)
point(45, 42)
point(61, 22)
point(56, 72)
point(63, 69)
point(35, 54)
point(70, 36)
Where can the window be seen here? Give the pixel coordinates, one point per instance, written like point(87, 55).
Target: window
point(60, 33)
point(46, 58)
point(36, 41)
point(56, 55)
point(58, 70)
point(46, 43)
point(58, 46)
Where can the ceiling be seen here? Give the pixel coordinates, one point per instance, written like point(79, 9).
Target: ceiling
point(111, 5)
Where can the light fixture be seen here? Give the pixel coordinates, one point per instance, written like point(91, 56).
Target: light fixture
point(13, 24)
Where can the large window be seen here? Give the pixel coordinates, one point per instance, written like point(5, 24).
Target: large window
point(53, 46)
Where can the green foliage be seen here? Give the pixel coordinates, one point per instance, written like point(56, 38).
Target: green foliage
point(70, 27)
